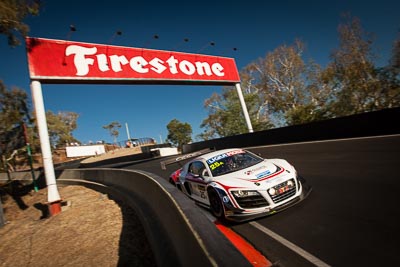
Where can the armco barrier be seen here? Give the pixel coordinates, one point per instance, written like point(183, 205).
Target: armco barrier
point(178, 232)
point(382, 122)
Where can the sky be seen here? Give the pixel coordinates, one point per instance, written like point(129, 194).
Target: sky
point(253, 27)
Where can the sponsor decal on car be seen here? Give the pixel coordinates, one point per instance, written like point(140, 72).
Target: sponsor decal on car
point(268, 174)
point(263, 174)
point(224, 155)
point(250, 172)
point(215, 165)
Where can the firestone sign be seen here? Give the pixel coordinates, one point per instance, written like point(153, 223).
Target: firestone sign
point(58, 61)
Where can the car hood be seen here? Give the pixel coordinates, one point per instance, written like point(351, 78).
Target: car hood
point(266, 170)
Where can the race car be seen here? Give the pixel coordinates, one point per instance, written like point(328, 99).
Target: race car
point(238, 185)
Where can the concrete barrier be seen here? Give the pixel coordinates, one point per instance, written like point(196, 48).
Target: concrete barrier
point(359, 125)
point(21, 176)
point(115, 160)
point(179, 233)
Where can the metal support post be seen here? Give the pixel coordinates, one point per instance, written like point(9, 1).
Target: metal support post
point(53, 196)
point(244, 108)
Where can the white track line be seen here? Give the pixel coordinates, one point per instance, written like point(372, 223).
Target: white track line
point(290, 245)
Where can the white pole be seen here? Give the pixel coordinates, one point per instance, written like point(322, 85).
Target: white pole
point(244, 108)
point(127, 131)
point(53, 196)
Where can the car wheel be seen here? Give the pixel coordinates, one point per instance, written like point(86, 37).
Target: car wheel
point(215, 204)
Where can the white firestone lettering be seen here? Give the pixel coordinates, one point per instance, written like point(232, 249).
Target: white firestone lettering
point(172, 64)
point(218, 69)
point(137, 64)
point(116, 62)
point(157, 65)
point(203, 68)
point(187, 67)
point(81, 63)
point(102, 62)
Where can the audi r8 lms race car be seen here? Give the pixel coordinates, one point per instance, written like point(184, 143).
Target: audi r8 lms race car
point(238, 185)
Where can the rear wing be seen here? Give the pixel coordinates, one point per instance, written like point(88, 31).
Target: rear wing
point(183, 157)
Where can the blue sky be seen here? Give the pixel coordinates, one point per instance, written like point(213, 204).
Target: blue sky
point(254, 27)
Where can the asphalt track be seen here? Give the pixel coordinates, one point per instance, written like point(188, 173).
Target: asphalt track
point(349, 219)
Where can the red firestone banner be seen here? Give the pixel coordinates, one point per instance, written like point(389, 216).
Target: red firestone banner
point(60, 61)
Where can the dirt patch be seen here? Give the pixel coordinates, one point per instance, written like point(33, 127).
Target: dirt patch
point(114, 154)
point(92, 230)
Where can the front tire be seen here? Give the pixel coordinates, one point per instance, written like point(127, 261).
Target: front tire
point(217, 209)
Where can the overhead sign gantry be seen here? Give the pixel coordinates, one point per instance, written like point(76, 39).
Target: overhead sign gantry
point(59, 61)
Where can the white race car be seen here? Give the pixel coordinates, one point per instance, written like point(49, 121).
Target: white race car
point(238, 185)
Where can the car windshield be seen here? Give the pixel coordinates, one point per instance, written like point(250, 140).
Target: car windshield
point(232, 161)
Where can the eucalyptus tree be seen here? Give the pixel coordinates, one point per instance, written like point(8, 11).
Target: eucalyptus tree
point(279, 89)
point(61, 126)
point(179, 133)
point(225, 115)
point(288, 86)
point(113, 129)
point(12, 15)
point(14, 112)
point(357, 84)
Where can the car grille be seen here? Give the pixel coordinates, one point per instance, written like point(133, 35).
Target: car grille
point(284, 191)
point(252, 202)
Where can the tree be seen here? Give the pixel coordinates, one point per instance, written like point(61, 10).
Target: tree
point(12, 14)
point(61, 126)
point(390, 80)
point(225, 115)
point(280, 89)
point(395, 58)
point(13, 107)
point(317, 98)
point(357, 84)
point(287, 86)
point(113, 129)
point(219, 117)
point(179, 133)
point(14, 112)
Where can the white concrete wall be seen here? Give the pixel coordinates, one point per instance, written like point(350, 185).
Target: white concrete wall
point(166, 151)
point(82, 151)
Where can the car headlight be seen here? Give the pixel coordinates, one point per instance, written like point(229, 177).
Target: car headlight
point(272, 191)
point(245, 193)
point(282, 187)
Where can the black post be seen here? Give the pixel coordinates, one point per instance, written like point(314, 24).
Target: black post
point(28, 149)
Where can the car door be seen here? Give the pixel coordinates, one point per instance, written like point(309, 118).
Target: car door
point(196, 182)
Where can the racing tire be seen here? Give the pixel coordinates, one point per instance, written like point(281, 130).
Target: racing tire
point(217, 209)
